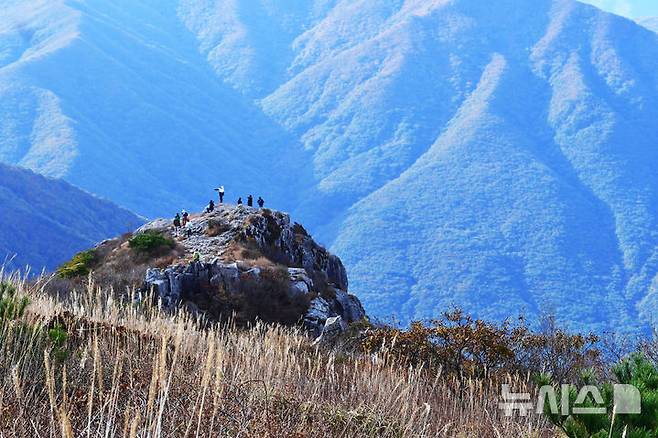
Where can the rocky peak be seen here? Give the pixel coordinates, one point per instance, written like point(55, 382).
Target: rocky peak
point(235, 252)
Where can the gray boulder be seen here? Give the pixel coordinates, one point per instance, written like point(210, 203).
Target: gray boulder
point(158, 225)
point(333, 327)
point(227, 275)
point(351, 308)
point(300, 282)
point(317, 315)
point(336, 273)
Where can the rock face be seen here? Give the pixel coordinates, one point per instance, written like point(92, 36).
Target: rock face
point(233, 250)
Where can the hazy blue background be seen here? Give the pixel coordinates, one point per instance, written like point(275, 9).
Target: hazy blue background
point(628, 8)
point(512, 173)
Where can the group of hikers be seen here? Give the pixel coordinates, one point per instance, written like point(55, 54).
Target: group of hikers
point(221, 191)
point(250, 201)
point(182, 219)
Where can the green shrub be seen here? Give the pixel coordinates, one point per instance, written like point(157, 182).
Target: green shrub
point(11, 306)
point(58, 337)
point(80, 265)
point(150, 242)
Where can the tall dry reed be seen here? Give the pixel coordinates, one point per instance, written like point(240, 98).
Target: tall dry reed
point(133, 370)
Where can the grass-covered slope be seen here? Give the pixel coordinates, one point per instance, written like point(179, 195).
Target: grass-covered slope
point(82, 364)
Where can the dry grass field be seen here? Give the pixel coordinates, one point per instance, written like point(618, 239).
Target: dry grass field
point(87, 365)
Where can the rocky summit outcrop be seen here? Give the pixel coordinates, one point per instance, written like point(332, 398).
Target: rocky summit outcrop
point(250, 256)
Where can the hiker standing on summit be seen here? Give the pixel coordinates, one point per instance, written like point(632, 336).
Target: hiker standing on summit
point(220, 190)
point(250, 201)
point(261, 202)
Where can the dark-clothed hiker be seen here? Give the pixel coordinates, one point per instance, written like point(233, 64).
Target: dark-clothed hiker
point(261, 202)
point(240, 201)
point(250, 201)
point(211, 206)
point(186, 218)
point(176, 222)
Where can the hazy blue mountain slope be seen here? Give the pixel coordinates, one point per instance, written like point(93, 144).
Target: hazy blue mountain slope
point(650, 23)
point(581, 111)
point(249, 42)
point(46, 221)
point(540, 241)
point(499, 155)
point(548, 204)
point(121, 103)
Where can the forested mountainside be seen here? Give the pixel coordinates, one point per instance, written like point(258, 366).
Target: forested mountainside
point(46, 221)
point(496, 156)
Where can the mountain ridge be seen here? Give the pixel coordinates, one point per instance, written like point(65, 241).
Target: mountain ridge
point(47, 221)
point(650, 23)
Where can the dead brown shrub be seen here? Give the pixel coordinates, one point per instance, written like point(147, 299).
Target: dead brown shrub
point(460, 345)
point(268, 299)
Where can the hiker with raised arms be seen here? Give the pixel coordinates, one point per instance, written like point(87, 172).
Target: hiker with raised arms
point(220, 190)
